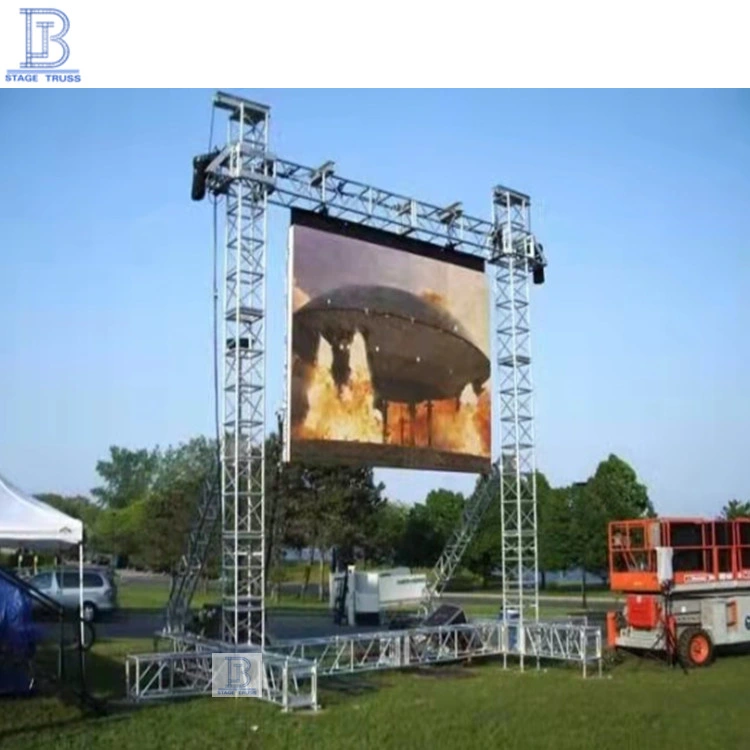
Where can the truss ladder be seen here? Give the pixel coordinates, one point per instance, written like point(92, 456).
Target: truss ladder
point(191, 565)
point(454, 550)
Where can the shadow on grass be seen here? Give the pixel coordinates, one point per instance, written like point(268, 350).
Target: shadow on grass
point(57, 706)
point(78, 696)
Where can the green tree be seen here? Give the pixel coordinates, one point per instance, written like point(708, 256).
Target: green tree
point(275, 516)
point(735, 509)
point(421, 545)
point(119, 530)
point(350, 501)
point(484, 554)
point(444, 509)
point(322, 507)
point(553, 528)
point(388, 533)
point(616, 484)
point(128, 476)
point(612, 494)
point(181, 476)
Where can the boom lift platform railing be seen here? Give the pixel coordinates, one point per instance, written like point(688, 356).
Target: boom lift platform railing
point(686, 583)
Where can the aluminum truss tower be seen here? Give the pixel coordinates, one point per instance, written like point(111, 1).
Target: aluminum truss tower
point(516, 259)
point(250, 177)
point(243, 413)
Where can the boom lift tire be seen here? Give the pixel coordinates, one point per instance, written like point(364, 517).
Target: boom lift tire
point(695, 647)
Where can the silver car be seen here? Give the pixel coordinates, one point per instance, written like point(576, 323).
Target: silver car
point(99, 589)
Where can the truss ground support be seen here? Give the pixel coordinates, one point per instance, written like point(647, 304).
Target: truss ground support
point(244, 403)
point(513, 267)
point(287, 681)
point(249, 178)
point(292, 667)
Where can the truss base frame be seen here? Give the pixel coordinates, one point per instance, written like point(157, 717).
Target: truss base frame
point(292, 667)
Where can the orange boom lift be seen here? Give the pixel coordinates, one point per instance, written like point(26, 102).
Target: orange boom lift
point(686, 584)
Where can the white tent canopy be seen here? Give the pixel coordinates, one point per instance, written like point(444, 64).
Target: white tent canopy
point(28, 522)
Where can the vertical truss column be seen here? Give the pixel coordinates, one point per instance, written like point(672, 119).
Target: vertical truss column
point(244, 405)
point(513, 259)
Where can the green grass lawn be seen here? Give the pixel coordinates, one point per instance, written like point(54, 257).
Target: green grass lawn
point(462, 580)
point(149, 595)
point(146, 595)
point(640, 704)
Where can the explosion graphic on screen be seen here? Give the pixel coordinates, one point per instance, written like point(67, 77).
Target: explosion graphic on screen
point(389, 352)
point(349, 412)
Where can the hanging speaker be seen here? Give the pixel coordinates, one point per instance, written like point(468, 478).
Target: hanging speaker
point(200, 165)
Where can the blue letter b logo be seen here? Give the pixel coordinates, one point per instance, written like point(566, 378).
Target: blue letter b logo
point(43, 21)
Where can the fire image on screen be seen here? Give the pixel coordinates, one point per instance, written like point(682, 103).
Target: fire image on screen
point(389, 354)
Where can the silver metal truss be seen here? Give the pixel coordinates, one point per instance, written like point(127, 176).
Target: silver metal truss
point(580, 644)
point(244, 401)
point(291, 185)
point(250, 178)
point(396, 649)
point(185, 579)
point(451, 556)
point(186, 670)
point(506, 242)
point(516, 256)
point(292, 668)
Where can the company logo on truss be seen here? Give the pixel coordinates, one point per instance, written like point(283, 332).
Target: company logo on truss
point(46, 49)
point(237, 675)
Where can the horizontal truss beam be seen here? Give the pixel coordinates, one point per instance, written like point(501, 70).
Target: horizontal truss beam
point(292, 185)
point(292, 667)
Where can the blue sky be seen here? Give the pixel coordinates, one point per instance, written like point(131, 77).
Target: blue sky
point(642, 200)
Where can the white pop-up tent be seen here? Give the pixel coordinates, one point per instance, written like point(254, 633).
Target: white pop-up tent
point(28, 522)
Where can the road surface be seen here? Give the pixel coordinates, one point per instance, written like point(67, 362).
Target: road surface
point(144, 623)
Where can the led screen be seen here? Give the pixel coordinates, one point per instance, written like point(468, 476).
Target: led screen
point(389, 350)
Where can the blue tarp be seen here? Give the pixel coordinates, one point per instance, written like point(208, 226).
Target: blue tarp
point(18, 638)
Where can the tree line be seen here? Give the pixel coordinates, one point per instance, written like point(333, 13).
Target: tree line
point(143, 509)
